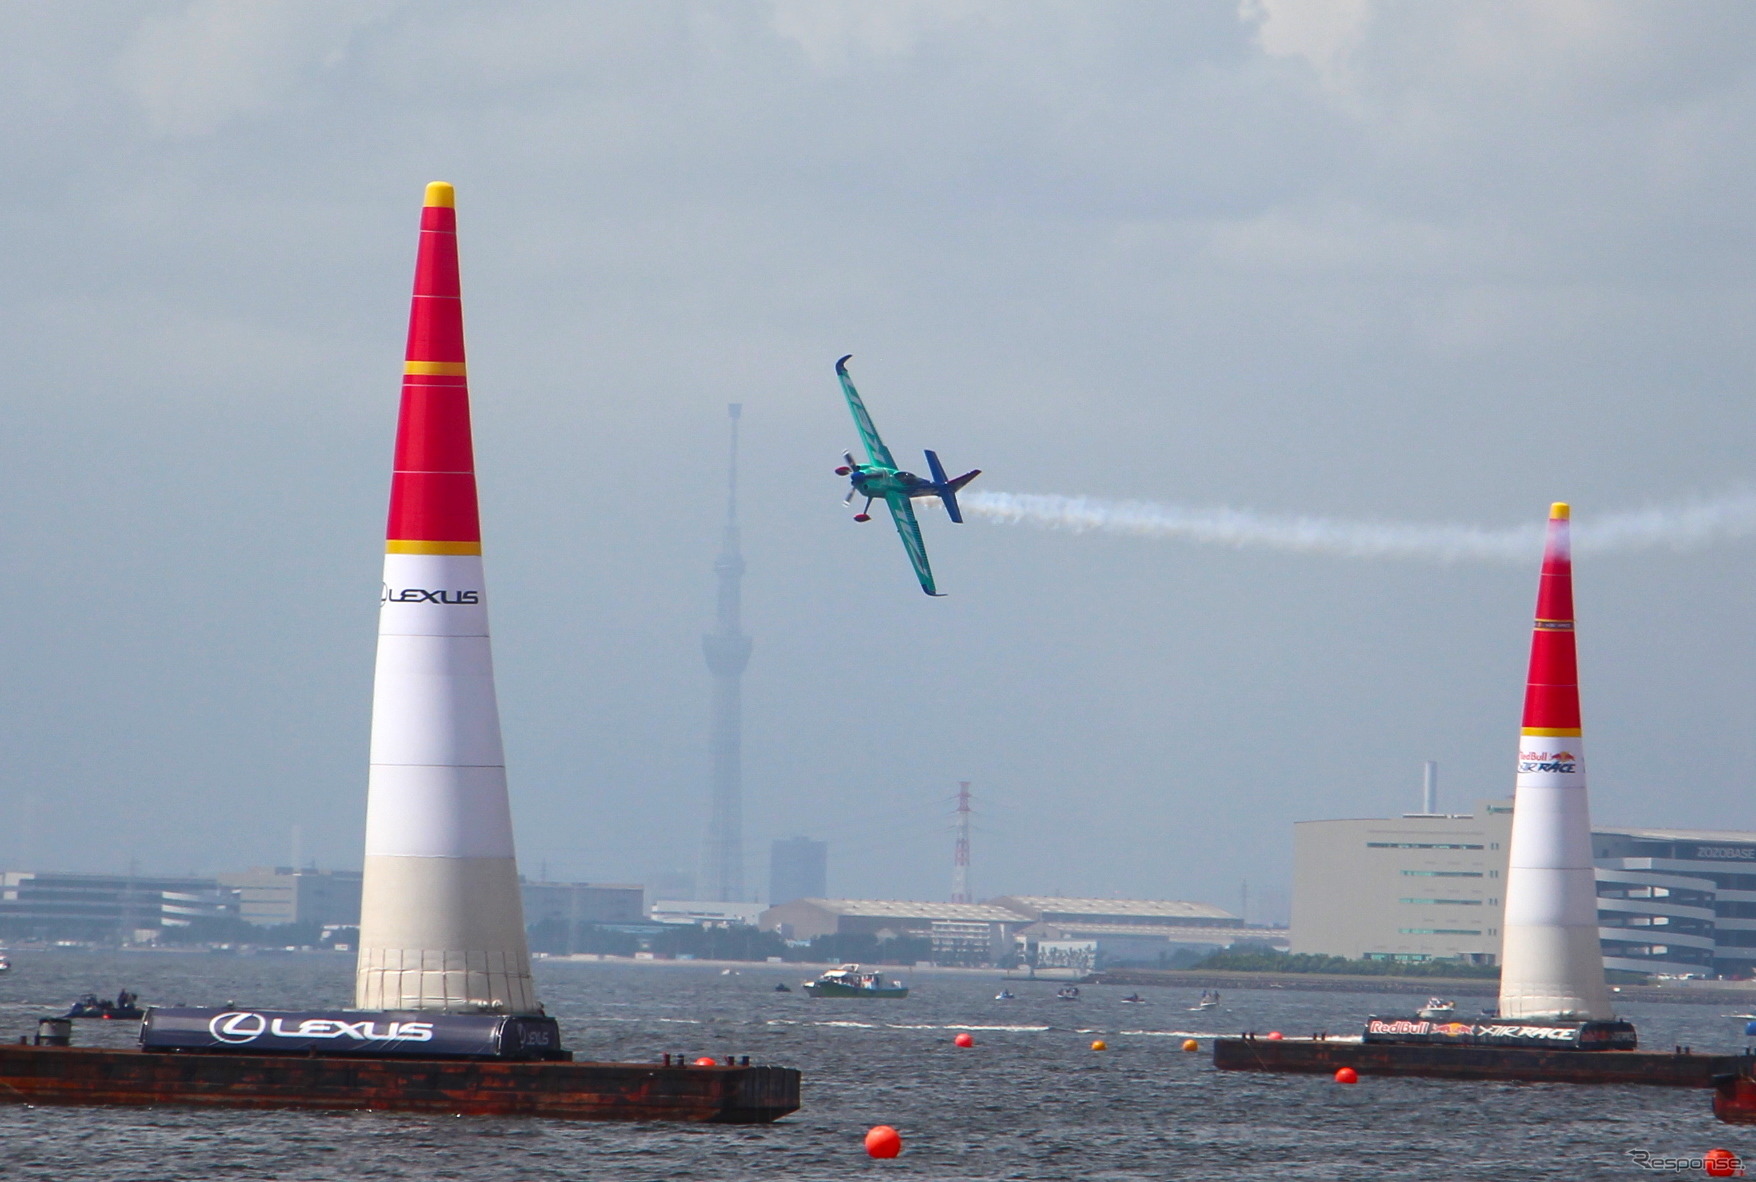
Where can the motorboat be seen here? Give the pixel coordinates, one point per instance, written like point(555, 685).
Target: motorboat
point(1438, 1009)
point(1006, 995)
point(850, 980)
point(1134, 999)
point(92, 1006)
point(1067, 993)
point(1209, 1001)
point(783, 987)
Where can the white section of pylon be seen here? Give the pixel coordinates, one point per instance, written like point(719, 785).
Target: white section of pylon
point(1551, 959)
point(441, 920)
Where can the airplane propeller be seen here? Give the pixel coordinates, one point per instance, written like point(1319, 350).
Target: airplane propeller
point(854, 490)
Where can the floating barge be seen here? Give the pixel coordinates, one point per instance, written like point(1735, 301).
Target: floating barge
point(562, 1090)
point(1528, 1064)
point(487, 1065)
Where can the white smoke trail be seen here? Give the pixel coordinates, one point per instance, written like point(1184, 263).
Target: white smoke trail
point(1677, 527)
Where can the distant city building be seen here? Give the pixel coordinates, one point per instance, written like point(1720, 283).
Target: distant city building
point(706, 911)
point(1430, 886)
point(575, 903)
point(670, 884)
point(798, 868)
point(128, 908)
point(282, 894)
point(1677, 900)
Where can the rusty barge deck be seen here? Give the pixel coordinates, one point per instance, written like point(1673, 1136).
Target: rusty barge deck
point(1654, 1068)
point(562, 1090)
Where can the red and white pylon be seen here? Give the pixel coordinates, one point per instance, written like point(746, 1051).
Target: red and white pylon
point(1551, 961)
point(441, 920)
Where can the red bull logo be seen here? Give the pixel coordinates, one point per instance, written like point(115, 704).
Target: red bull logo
point(1548, 761)
point(1397, 1026)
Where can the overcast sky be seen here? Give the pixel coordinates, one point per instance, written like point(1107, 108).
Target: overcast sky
point(1403, 262)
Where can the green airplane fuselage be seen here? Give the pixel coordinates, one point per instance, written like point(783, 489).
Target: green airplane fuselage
point(875, 481)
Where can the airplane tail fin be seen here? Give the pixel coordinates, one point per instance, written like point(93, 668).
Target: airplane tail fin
point(947, 488)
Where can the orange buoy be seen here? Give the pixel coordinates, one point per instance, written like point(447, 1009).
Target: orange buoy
point(1099, 1045)
point(966, 1039)
point(883, 1141)
point(1721, 1163)
point(1190, 1044)
point(706, 1061)
point(1346, 1075)
point(1274, 1036)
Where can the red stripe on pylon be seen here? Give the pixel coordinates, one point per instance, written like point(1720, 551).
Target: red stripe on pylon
point(433, 492)
point(433, 430)
point(433, 507)
point(1551, 695)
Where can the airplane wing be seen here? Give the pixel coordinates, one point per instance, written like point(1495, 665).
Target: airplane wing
point(875, 449)
point(910, 531)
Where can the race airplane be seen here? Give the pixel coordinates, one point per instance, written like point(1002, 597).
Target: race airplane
point(881, 478)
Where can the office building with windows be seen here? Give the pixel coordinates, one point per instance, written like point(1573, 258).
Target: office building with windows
point(123, 908)
point(1425, 886)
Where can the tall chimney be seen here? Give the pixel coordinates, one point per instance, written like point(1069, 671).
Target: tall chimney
point(1430, 787)
point(441, 921)
point(1551, 962)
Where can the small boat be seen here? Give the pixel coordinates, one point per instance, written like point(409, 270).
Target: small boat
point(1134, 999)
point(850, 980)
point(783, 987)
point(1067, 993)
point(1209, 1000)
point(5, 965)
point(1006, 995)
point(90, 1006)
point(1438, 1009)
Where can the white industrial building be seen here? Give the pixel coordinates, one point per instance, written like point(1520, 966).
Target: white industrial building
point(704, 911)
point(1074, 934)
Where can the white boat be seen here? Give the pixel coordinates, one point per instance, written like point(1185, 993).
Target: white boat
point(5, 965)
point(1006, 995)
point(1437, 1009)
point(850, 980)
point(1209, 1001)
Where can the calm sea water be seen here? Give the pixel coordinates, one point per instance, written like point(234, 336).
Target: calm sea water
point(1031, 1101)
